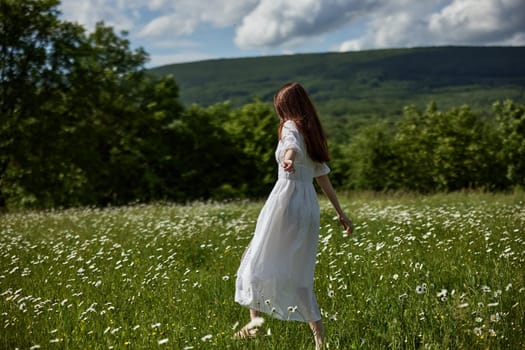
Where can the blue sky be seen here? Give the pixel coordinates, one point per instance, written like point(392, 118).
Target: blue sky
point(174, 31)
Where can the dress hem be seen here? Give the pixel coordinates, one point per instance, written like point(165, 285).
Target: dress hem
point(276, 315)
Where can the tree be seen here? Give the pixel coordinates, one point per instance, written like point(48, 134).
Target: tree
point(444, 151)
point(413, 144)
point(33, 82)
point(253, 129)
point(80, 118)
point(510, 118)
point(371, 159)
point(123, 116)
point(204, 155)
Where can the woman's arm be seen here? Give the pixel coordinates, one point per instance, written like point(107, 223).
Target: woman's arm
point(325, 184)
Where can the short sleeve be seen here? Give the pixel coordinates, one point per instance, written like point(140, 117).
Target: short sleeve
point(290, 136)
point(321, 169)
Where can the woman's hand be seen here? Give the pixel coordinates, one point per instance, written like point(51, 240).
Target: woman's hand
point(288, 166)
point(347, 224)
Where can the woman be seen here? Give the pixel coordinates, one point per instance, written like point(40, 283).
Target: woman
point(277, 270)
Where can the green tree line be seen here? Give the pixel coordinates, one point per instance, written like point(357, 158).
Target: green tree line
point(82, 122)
point(431, 150)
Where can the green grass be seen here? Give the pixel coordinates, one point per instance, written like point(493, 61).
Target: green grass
point(132, 277)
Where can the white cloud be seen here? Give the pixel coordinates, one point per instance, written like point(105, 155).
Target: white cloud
point(394, 25)
point(517, 39)
point(270, 26)
point(350, 45)
point(478, 21)
point(459, 22)
point(157, 4)
point(184, 16)
point(164, 59)
point(159, 24)
point(277, 22)
point(88, 12)
point(173, 25)
point(157, 17)
point(226, 12)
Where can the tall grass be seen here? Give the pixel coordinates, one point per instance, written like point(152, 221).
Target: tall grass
point(438, 272)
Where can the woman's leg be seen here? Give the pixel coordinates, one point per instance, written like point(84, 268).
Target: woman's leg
point(254, 314)
point(251, 329)
point(317, 330)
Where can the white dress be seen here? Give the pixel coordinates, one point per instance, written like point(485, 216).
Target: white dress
point(277, 269)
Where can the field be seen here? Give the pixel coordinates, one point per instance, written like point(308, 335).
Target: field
point(433, 272)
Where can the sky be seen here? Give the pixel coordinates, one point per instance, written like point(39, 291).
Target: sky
point(175, 31)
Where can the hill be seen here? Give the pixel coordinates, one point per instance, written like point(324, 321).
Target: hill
point(365, 82)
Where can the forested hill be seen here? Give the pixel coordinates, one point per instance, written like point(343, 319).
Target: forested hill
point(365, 82)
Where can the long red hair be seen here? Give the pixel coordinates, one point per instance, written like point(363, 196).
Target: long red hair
point(293, 103)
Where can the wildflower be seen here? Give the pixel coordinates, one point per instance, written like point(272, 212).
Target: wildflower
point(333, 317)
point(36, 346)
point(331, 293)
point(485, 289)
point(492, 332)
point(206, 337)
point(267, 301)
point(395, 276)
point(442, 294)
point(422, 289)
point(155, 325)
point(292, 308)
point(225, 277)
point(478, 331)
point(403, 296)
point(56, 340)
point(163, 341)
point(462, 306)
point(495, 317)
point(492, 304)
point(478, 319)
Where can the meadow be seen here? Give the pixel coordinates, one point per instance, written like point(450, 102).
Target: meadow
point(420, 272)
